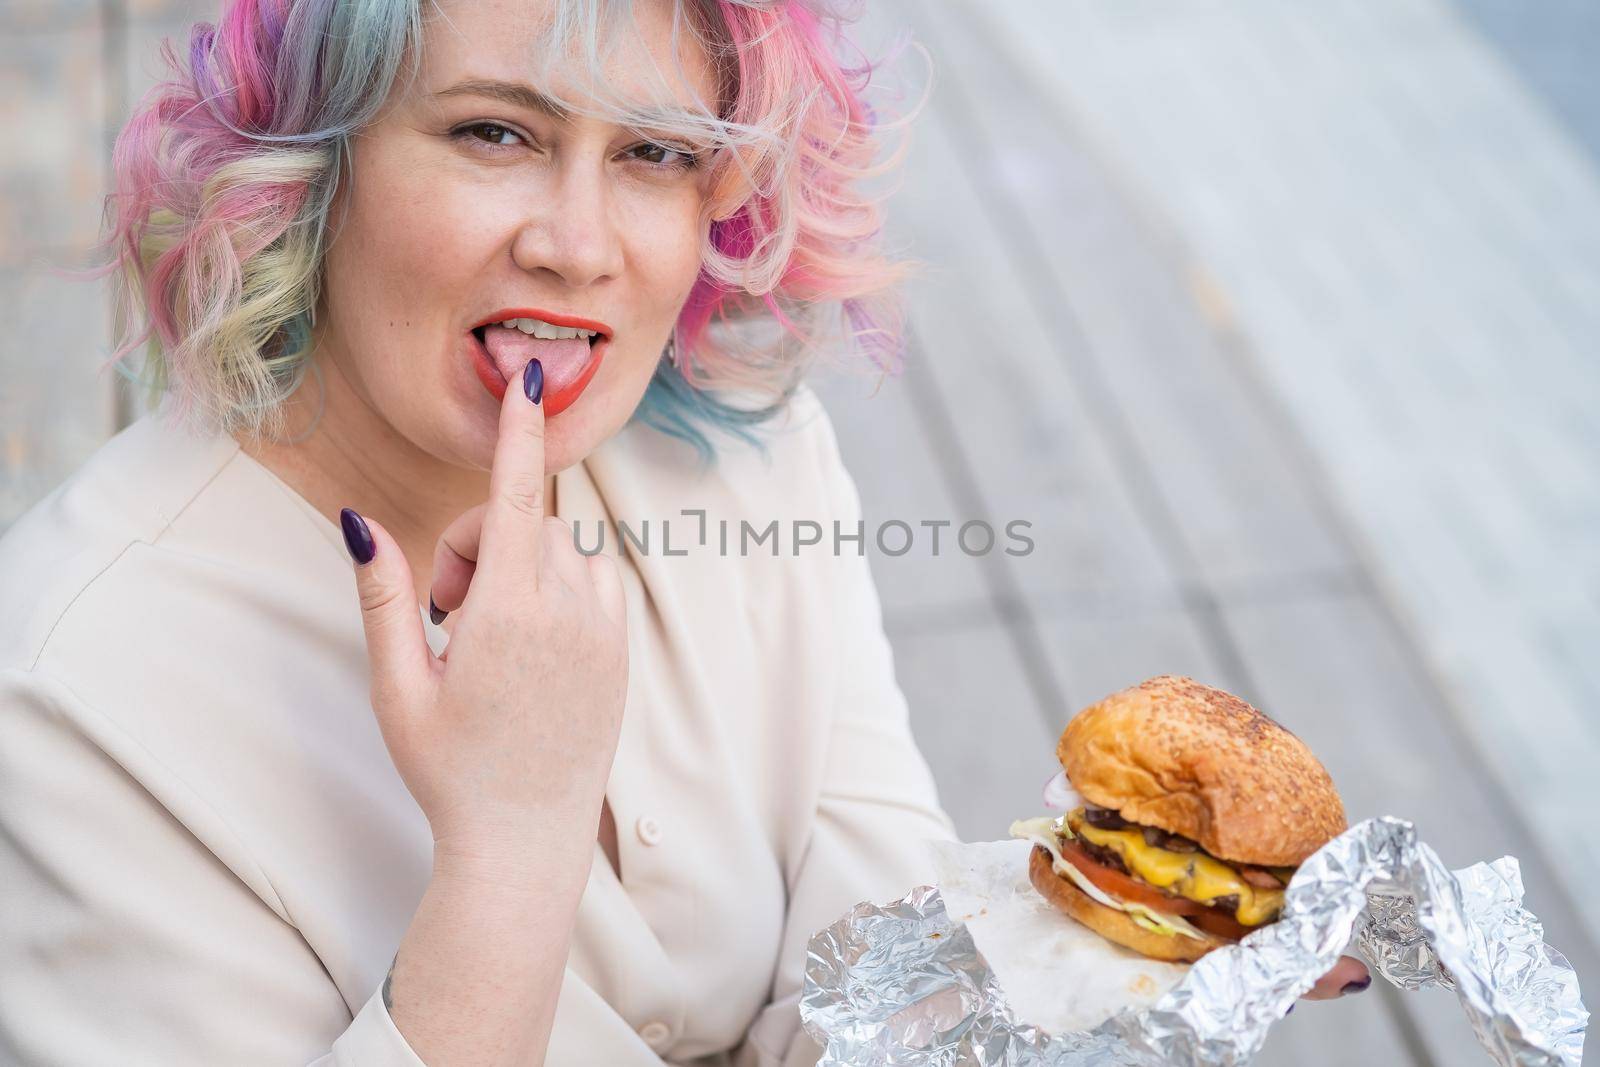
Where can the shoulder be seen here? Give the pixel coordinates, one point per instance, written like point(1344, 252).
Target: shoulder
point(180, 613)
point(797, 470)
point(150, 528)
point(126, 494)
point(769, 533)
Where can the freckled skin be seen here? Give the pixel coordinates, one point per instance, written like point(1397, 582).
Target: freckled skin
point(443, 229)
point(440, 226)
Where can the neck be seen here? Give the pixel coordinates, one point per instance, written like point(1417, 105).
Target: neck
point(352, 457)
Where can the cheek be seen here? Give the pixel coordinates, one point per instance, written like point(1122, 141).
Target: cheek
point(663, 263)
point(412, 235)
point(667, 251)
point(413, 244)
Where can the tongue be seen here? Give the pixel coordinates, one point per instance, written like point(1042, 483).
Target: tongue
point(562, 359)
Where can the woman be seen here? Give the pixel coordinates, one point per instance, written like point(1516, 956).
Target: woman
point(584, 806)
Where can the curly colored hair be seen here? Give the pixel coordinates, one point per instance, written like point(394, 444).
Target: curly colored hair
point(226, 173)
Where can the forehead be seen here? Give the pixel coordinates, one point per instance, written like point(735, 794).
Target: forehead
point(646, 51)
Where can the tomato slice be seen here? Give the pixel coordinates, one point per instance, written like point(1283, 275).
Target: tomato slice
point(1125, 887)
point(1214, 921)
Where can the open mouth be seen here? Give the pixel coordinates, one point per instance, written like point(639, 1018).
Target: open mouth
point(569, 351)
point(481, 331)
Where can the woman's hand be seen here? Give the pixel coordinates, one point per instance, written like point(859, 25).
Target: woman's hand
point(521, 721)
point(1349, 975)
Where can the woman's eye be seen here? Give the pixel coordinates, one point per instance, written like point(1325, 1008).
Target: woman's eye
point(494, 134)
point(684, 158)
point(493, 131)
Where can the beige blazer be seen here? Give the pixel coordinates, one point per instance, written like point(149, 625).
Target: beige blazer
point(207, 857)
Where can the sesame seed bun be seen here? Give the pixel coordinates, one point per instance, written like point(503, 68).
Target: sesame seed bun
point(1115, 926)
point(1192, 760)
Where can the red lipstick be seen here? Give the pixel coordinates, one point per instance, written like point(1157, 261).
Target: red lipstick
point(557, 400)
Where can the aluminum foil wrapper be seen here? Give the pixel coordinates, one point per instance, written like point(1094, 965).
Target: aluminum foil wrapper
point(903, 983)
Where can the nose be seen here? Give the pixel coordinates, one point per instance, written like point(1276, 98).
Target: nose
point(573, 230)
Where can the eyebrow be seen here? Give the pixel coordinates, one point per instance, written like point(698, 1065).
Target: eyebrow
point(526, 96)
point(523, 96)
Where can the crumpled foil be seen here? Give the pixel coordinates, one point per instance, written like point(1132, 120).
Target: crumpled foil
point(903, 983)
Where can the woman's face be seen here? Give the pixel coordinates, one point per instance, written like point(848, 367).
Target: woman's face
point(467, 203)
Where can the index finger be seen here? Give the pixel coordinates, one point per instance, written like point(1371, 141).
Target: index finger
point(513, 518)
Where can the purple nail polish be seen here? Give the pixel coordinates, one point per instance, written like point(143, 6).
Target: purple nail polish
point(533, 379)
point(357, 538)
point(1357, 986)
point(434, 613)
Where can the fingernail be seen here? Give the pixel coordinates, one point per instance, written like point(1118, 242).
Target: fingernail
point(433, 611)
point(533, 379)
point(1357, 986)
point(357, 538)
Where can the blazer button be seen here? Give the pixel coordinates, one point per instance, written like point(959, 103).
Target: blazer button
point(655, 1033)
point(648, 829)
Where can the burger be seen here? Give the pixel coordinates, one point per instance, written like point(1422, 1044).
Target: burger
point(1188, 813)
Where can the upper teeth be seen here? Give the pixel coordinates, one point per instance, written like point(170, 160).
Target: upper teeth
point(540, 328)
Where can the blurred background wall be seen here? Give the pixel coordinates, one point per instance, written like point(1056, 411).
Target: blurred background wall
point(1277, 322)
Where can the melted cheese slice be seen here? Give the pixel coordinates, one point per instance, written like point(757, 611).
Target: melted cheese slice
point(1043, 831)
point(1193, 875)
